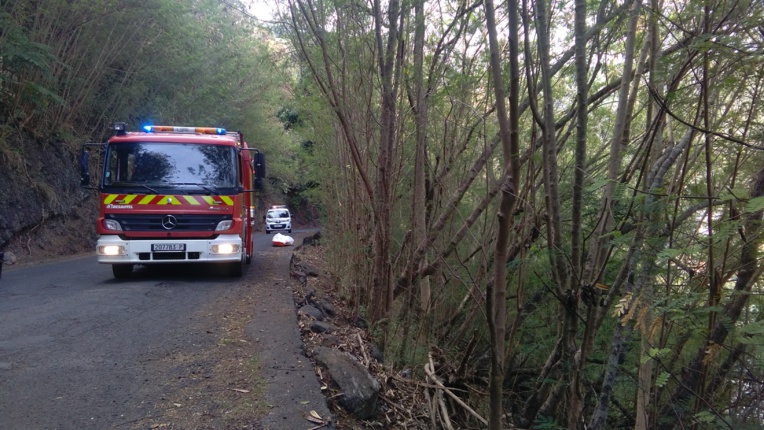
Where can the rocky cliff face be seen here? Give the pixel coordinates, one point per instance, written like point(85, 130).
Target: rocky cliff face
point(44, 212)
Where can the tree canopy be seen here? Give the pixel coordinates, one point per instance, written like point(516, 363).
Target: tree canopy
point(76, 67)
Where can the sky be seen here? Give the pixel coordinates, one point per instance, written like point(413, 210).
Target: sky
point(261, 9)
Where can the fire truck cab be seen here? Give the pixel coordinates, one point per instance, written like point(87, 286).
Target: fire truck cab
point(173, 194)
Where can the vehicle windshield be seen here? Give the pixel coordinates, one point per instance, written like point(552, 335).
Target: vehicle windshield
point(151, 165)
point(278, 214)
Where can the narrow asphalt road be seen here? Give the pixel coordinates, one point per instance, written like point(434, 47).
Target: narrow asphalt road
point(82, 350)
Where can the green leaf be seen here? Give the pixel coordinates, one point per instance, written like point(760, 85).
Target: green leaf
point(655, 353)
point(756, 204)
point(596, 185)
point(662, 379)
point(670, 253)
point(752, 329)
point(705, 417)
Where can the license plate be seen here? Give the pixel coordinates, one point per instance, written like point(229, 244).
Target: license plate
point(278, 225)
point(164, 247)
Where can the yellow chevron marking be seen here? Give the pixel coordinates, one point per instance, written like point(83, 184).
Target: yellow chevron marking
point(192, 200)
point(167, 200)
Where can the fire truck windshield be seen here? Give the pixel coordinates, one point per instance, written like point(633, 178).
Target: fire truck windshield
point(152, 165)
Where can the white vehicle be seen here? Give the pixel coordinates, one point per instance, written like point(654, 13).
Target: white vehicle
point(278, 218)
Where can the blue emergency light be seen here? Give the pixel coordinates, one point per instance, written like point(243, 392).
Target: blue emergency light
point(176, 129)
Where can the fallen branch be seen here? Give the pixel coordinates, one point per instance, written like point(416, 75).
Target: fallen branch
point(366, 361)
point(429, 369)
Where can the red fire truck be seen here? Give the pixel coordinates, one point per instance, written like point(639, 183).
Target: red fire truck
point(173, 194)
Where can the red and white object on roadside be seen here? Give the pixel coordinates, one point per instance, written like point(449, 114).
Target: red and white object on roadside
point(282, 240)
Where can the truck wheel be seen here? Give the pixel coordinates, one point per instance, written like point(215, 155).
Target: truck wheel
point(122, 271)
point(236, 269)
point(249, 245)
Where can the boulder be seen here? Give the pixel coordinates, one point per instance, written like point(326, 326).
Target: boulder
point(376, 353)
point(322, 327)
point(8, 258)
point(358, 390)
point(330, 340)
point(308, 269)
point(312, 312)
point(312, 240)
point(327, 308)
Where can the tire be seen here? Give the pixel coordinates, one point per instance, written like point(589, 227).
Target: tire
point(290, 230)
point(249, 245)
point(267, 232)
point(122, 271)
point(236, 269)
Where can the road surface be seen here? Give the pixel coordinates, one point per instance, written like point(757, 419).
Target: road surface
point(82, 350)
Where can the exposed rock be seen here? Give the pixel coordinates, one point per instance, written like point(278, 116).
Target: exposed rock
point(328, 308)
point(294, 261)
point(312, 312)
point(325, 305)
point(308, 299)
point(312, 240)
point(307, 269)
point(322, 327)
point(329, 341)
point(44, 213)
point(376, 353)
point(358, 390)
point(8, 258)
point(361, 323)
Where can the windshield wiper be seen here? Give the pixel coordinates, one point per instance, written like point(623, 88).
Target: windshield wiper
point(148, 188)
point(202, 186)
point(122, 184)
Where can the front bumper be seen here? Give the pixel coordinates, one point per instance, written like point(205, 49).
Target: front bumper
point(229, 249)
point(278, 226)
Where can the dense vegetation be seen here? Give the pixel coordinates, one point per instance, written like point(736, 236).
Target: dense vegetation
point(559, 204)
point(70, 69)
point(570, 191)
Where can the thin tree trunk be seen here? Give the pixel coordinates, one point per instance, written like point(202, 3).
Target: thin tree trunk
point(418, 209)
point(496, 306)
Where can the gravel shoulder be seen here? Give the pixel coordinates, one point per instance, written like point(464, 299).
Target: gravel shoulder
point(292, 389)
point(258, 376)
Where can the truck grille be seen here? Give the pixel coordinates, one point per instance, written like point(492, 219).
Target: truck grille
point(151, 222)
point(145, 256)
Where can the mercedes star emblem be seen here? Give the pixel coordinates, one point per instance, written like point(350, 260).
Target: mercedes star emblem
point(169, 222)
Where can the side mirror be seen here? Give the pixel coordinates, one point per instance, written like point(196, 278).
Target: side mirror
point(259, 165)
point(84, 169)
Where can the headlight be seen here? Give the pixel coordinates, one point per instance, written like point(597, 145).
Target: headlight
point(225, 248)
point(224, 225)
point(112, 250)
point(110, 224)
